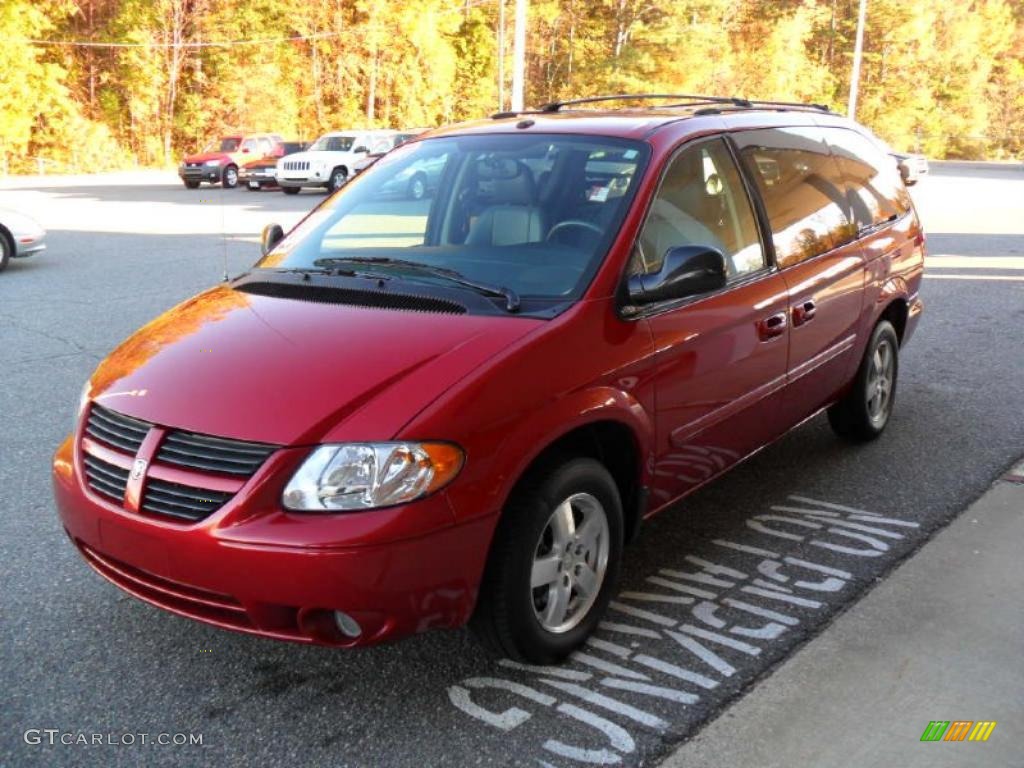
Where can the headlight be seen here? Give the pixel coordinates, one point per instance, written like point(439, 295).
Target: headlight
point(360, 476)
point(212, 162)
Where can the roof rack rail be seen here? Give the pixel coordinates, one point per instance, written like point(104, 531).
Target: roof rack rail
point(691, 100)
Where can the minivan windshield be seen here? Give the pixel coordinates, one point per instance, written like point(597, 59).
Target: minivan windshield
point(531, 213)
point(332, 144)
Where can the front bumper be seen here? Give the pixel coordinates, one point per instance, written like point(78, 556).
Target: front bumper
point(297, 182)
point(246, 567)
point(257, 178)
point(26, 245)
point(201, 173)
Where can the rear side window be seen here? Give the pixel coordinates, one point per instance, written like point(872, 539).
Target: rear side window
point(701, 201)
point(802, 189)
point(872, 178)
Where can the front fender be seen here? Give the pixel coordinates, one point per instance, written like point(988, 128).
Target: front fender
point(492, 471)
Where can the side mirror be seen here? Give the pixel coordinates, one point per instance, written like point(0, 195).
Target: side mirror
point(360, 150)
point(271, 236)
point(687, 270)
point(245, 150)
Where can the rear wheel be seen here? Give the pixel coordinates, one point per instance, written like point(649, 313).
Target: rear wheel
point(290, 190)
point(865, 410)
point(554, 563)
point(192, 184)
point(229, 178)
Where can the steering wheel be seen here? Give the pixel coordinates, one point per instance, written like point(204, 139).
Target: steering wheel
point(574, 223)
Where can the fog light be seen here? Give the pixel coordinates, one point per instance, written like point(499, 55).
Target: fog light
point(347, 625)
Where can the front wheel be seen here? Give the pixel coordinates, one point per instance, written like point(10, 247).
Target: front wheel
point(337, 180)
point(6, 250)
point(554, 563)
point(192, 184)
point(417, 187)
point(290, 190)
point(865, 410)
point(230, 177)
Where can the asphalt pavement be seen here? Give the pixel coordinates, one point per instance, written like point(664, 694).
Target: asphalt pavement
point(925, 671)
point(716, 594)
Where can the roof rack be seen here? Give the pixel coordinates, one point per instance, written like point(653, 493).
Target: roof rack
point(686, 100)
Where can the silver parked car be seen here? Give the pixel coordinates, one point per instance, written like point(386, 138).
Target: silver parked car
point(20, 235)
point(913, 167)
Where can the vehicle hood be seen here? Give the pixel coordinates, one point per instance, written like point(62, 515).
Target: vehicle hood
point(294, 372)
point(202, 157)
point(262, 163)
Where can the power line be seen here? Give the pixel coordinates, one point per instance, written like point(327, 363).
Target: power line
point(220, 43)
point(184, 44)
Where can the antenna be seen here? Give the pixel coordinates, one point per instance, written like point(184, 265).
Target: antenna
point(223, 233)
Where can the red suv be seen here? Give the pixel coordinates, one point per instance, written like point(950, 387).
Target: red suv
point(418, 412)
point(218, 162)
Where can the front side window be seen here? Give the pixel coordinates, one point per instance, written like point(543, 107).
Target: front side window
point(876, 192)
point(701, 201)
point(533, 213)
point(803, 192)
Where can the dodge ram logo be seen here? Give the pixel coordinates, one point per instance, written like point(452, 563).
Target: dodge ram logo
point(139, 469)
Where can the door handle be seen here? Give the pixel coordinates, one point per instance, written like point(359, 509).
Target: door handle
point(804, 313)
point(772, 326)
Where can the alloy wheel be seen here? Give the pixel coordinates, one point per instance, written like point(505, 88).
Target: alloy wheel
point(569, 563)
point(880, 381)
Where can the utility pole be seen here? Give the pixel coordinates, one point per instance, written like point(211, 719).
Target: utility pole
point(501, 55)
point(518, 56)
point(858, 51)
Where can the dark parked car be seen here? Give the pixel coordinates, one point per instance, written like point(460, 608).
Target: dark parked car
point(411, 416)
point(262, 173)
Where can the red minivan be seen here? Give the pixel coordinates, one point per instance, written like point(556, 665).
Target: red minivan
point(418, 412)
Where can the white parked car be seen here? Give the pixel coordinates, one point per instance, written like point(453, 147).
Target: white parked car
point(19, 236)
point(331, 159)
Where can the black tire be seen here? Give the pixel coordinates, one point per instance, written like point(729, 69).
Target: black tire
point(229, 177)
point(857, 417)
point(291, 190)
point(507, 617)
point(192, 184)
point(417, 188)
point(338, 178)
point(6, 249)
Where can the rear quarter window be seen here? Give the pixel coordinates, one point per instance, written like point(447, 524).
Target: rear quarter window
point(803, 191)
point(874, 188)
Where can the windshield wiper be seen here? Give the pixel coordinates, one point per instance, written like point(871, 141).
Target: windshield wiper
point(512, 301)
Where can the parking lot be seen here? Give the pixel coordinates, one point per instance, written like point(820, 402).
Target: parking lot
point(779, 546)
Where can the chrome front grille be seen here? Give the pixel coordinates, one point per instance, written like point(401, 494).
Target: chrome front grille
point(106, 479)
point(296, 165)
point(213, 454)
point(209, 469)
point(116, 430)
point(182, 501)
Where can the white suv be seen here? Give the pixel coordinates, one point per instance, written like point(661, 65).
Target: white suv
point(330, 160)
